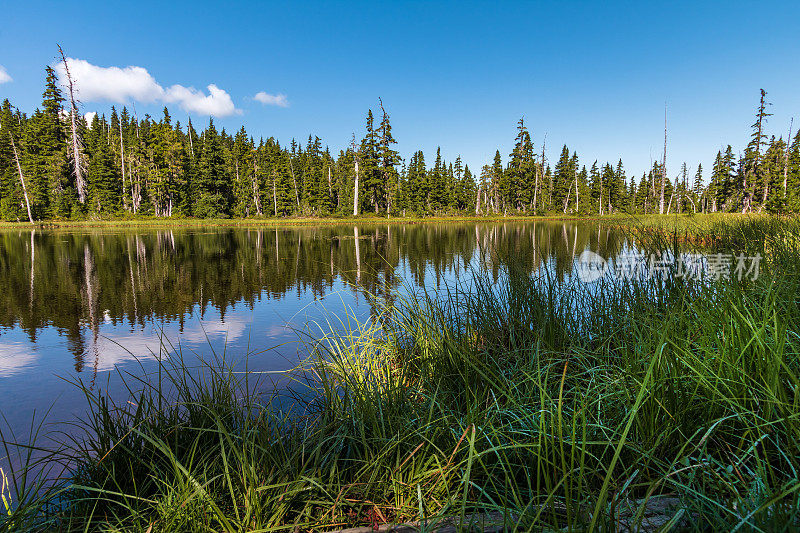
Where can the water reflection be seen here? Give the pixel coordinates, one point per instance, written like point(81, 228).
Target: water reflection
point(77, 282)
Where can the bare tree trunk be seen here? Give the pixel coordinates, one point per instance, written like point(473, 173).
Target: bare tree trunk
point(21, 179)
point(76, 153)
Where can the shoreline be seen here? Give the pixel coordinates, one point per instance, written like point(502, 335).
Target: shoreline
point(646, 219)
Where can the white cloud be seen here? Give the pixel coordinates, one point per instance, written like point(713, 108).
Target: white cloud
point(89, 117)
point(115, 84)
point(4, 77)
point(94, 83)
point(217, 102)
point(271, 99)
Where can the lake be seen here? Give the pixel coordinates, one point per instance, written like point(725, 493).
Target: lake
point(77, 304)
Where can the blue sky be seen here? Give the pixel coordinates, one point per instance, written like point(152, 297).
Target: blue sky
point(457, 74)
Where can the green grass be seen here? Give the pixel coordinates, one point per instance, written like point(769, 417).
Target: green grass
point(683, 221)
point(142, 221)
point(556, 406)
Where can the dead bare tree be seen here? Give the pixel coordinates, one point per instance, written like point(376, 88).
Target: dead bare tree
point(80, 182)
point(21, 179)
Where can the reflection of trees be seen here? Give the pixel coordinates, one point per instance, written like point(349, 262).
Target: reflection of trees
point(76, 280)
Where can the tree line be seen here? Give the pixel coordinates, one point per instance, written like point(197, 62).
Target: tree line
point(54, 164)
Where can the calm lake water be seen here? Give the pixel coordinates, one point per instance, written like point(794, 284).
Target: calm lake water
point(76, 304)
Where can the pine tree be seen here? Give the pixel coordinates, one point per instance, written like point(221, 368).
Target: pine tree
point(469, 191)
point(618, 190)
point(246, 200)
point(103, 183)
point(11, 197)
point(517, 187)
point(212, 183)
point(562, 181)
point(608, 176)
point(596, 187)
point(45, 157)
point(369, 167)
point(498, 184)
point(793, 176)
point(419, 184)
point(583, 196)
point(773, 199)
point(752, 171)
point(437, 177)
point(697, 189)
point(389, 158)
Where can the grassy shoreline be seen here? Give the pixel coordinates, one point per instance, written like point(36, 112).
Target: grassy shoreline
point(684, 220)
point(552, 406)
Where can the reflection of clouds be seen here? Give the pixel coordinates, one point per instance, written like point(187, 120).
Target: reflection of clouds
point(161, 340)
point(15, 357)
point(276, 330)
point(116, 346)
point(201, 332)
point(115, 349)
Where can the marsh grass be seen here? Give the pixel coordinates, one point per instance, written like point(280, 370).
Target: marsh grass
point(552, 405)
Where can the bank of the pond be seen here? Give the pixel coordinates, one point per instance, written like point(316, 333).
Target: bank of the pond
point(250, 222)
point(682, 221)
point(545, 406)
